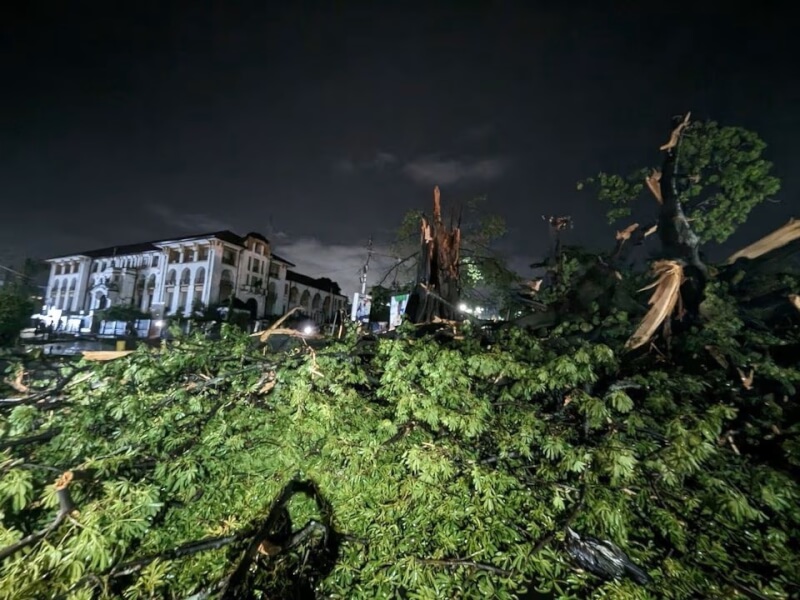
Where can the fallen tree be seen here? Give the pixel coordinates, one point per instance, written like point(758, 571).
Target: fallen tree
point(451, 468)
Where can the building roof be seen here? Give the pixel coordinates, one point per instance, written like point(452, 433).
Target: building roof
point(154, 246)
point(281, 259)
point(323, 283)
point(151, 246)
point(256, 235)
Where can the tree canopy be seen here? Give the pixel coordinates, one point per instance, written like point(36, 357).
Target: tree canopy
point(722, 177)
point(16, 308)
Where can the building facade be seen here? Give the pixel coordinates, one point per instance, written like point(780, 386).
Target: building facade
point(178, 277)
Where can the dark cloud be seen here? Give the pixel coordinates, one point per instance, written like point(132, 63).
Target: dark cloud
point(333, 120)
point(378, 162)
point(188, 222)
point(435, 170)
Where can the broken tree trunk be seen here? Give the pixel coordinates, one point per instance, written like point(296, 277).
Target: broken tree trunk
point(678, 239)
point(437, 291)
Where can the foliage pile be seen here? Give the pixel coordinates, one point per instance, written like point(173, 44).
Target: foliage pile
point(451, 466)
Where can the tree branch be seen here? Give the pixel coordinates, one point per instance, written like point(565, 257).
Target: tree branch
point(65, 508)
point(31, 439)
point(460, 562)
point(678, 239)
point(188, 549)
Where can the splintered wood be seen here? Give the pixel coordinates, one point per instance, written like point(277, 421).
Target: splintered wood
point(780, 237)
point(676, 133)
point(795, 300)
point(437, 289)
point(663, 303)
point(104, 355)
point(653, 182)
point(625, 234)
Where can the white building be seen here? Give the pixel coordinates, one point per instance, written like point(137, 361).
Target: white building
point(176, 277)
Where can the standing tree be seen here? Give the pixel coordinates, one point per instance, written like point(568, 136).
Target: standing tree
point(16, 308)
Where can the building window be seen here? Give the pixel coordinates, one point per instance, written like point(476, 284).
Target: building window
point(155, 261)
point(256, 265)
point(228, 257)
point(274, 270)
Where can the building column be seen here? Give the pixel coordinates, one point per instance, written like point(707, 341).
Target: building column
point(146, 299)
point(206, 297)
point(176, 296)
point(190, 295)
point(161, 278)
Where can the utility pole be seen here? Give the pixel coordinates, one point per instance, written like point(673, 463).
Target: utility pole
point(365, 268)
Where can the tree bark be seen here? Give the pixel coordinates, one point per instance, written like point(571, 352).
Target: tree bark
point(437, 289)
point(678, 239)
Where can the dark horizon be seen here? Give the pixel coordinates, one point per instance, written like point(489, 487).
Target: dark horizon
point(320, 125)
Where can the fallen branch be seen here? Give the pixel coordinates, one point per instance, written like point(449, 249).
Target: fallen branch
point(188, 549)
point(31, 439)
point(39, 397)
point(65, 509)
point(237, 579)
point(275, 328)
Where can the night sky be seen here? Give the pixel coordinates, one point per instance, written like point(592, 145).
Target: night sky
point(320, 124)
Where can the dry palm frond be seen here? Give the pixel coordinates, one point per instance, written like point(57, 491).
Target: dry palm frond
point(103, 355)
point(665, 298)
point(651, 231)
point(780, 237)
point(676, 133)
point(625, 234)
point(795, 300)
point(653, 182)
